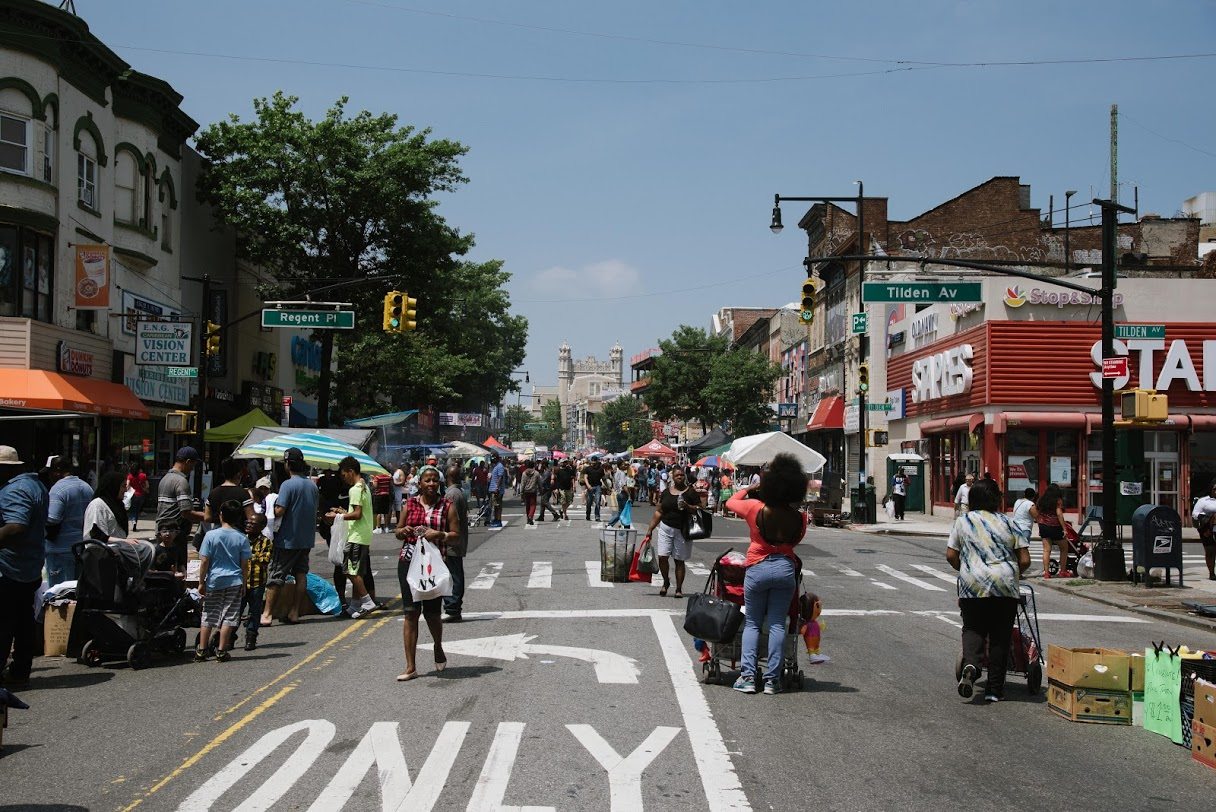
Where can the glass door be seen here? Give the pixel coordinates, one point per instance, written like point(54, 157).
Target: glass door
point(1165, 483)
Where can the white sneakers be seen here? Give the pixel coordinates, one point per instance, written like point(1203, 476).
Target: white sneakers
point(364, 608)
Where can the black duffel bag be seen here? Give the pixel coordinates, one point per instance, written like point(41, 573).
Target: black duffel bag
point(710, 618)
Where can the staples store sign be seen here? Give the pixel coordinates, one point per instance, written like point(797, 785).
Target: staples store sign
point(943, 374)
point(1178, 367)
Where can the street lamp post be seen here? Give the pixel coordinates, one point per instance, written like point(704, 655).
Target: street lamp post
point(863, 341)
point(1067, 222)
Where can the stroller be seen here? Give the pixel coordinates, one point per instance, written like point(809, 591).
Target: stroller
point(726, 581)
point(1025, 644)
point(485, 512)
point(122, 621)
point(1077, 548)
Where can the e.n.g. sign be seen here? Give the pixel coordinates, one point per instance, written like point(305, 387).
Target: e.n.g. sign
point(164, 343)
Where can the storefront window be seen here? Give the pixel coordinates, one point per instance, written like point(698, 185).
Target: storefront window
point(1021, 464)
point(8, 270)
point(1203, 465)
point(26, 273)
point(1062, 464)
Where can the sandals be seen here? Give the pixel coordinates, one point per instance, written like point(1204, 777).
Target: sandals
point(679, 593)
point(663, 591)
point(407, 676)
point(441, 659)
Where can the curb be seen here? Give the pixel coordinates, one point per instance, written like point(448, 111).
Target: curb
point(924, 534)
point(1202, 624)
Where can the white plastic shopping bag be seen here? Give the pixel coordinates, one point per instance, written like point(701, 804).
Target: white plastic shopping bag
point(127, 496)
point(428, 576)
point(337, 541)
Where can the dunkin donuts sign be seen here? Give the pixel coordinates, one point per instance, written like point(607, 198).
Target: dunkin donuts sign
point(92, 285)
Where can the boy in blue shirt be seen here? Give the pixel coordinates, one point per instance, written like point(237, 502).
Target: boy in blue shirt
point(224, 558)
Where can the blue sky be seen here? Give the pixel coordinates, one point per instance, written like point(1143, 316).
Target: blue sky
point(623, 156)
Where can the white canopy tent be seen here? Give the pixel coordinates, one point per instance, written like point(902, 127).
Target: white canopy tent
point(758, 449)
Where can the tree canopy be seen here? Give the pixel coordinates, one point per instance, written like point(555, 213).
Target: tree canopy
point(610, 431)
point(344, 208)
point(551, 435)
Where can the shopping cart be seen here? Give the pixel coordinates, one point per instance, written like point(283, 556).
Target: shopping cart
point(1025, 645)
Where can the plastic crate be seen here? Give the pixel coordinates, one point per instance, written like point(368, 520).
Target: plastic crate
point(616, 553)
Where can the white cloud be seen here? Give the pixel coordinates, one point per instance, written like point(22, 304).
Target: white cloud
point(611, 277)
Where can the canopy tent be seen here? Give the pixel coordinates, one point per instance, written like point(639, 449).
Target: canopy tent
point(758, 449)
point(714, 461)
point(717, 451)
point(654, 449)
point(235, 430)
point(319, 451)
point(462, 448)
point(377, 421)
point(492, 442)
point(703, 446)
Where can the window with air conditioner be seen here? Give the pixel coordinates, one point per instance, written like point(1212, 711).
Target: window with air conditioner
point(14, 143)
point(86, 180)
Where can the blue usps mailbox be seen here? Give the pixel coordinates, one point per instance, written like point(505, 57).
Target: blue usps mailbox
point(1156, 542)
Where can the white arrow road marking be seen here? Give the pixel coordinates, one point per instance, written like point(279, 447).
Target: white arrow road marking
point(881, 585)
point(808, 574)
point(542, 575)
point(945, 617)
point(843, 570)
point(593, 574)
point(496, 774)
point(1092, 618)
point(488, 575)
point(698, 569)
point(624, 774)
point(925, 568)
point(610, 667)
point(908, 579)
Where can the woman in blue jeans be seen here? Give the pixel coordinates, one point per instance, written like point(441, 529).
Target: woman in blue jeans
point(777, 525)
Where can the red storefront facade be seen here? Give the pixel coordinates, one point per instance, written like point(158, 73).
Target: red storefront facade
point(1022, 401)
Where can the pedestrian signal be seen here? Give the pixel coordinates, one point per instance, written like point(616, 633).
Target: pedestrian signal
point(393, 310)
point(879, 437)
point(808, 300)
point(1144, 405)
point(409, 320)
point(863, 378)
point(211, 343)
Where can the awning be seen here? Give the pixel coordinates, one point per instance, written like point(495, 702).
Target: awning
point(970, 422)
point(379, 420)
point(905, 456)
point(39, 389)
point(1034, 420)
point(1203, 422)
point(829, 414)
point(235, 430)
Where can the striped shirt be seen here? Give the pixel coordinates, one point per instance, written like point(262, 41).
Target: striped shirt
point(173, 502)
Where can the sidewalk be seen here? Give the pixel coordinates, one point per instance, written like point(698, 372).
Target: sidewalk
point(1162, 603)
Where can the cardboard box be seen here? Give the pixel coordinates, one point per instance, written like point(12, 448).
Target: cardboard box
point(1089, 705)
point(1203, 743)
point(1102, 669)
point(57, 629)
point(1205, 703)
point(1137, 661)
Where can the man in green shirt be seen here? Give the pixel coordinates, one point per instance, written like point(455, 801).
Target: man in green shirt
point(358, 534)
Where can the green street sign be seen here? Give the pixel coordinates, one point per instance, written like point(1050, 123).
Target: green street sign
point(921, 292)
point(1139, 331)
point(181, 372)
point(861, 322)
point(535, 426)
point(311, 319)
point(878, 407)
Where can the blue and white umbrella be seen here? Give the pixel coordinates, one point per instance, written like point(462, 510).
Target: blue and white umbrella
point(319, 451)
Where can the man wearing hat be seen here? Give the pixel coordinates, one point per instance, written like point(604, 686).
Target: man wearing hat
point(175, 513)
point(23, 506)
point(296, 510)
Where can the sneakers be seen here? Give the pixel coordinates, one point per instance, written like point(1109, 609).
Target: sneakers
point(200, 655)
point(1067, 574)
point(366, 606)
point(251, 641)
point(456, 618)
point(966, 683)
point(222, 656)
point(772, 688)
point(745, 685)
point(991, 698)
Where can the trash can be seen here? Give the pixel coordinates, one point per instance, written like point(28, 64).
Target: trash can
point(865, 504)
point(1156, 542)
point(616, 553)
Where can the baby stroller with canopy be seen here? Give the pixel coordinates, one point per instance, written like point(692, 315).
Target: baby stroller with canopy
point(124, 616)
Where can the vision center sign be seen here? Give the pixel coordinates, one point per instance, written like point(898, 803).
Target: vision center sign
point(163, 343)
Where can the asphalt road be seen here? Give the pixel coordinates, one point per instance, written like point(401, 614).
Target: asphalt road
point(562, 693)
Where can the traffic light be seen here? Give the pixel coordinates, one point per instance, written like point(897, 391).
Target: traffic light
point(624, 425)
point(394, 307)
point(808, 300)
point(410, 319)
point(181, 422)
point(1144, 405)
point(863, 378)
point(212, 342)
point(878, 437)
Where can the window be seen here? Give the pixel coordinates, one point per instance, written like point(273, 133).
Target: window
point(48, 155)
point(8, 274)
point(26, 273)
point(125, 185)
point(14, 144)
point(86, 180)
point(166, 235)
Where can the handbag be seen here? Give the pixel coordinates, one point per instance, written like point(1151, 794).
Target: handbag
point(711, 618)
point(635, 568)
point(337, 542)
point(428, 576)
point(698, 524)
point(646, 559)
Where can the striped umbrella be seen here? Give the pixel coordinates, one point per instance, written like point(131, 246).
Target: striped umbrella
point(319, 451)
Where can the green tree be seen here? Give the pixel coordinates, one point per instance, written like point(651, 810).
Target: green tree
point(681, 374)
point(515, 421)
point(346, 203)
point(610, 431)
point(740, 390)
point(551, 435)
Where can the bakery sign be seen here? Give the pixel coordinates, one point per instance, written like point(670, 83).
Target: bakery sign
point(73, 361)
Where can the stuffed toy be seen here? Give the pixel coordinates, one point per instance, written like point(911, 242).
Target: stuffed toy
point(811, 629)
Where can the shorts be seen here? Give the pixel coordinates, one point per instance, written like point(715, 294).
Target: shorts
point(670, 542)
point(567, 498)
point(398, 499)
point(222, 607)
point(432, 607)
point(382, 504)
point(1052, 532)
point(284, 562)
point(353, 557)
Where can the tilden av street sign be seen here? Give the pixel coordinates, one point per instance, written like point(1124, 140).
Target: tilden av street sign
point(921, 292)
point(311, 319)
point(1139, 331)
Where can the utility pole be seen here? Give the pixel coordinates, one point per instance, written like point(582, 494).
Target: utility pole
point(204, 362)
point(863, 245)
point(1114, 156)
point(327, 358)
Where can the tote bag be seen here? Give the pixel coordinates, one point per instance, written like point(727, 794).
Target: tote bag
point(428, 576)
point(698, 524)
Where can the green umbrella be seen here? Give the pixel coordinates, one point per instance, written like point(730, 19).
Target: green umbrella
point(319, 451)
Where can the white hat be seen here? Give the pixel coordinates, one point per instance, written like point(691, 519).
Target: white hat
point(264, 482)
point(8, 456)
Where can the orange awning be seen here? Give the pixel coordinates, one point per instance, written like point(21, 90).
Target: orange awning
point(39, 389)
point(829, 415)
point(971, 422)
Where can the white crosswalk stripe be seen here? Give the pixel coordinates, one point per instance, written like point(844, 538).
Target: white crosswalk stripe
point(843, 570)
point(881, 585)
point(542, 575)
point(488, 575)
point(925, 568)
point(593, 574)
point(808, 574)
point(908, 579)
point(698, 569)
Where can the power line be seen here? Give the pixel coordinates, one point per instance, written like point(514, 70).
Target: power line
point(1166, 137)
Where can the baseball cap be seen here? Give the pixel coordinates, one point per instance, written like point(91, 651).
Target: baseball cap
point(264, 482)
point(293, 454)
point(187, 452)
point(8, 456)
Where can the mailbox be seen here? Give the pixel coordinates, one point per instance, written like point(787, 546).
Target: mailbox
point(1156, 541)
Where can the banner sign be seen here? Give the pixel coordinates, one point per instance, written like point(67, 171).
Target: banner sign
point(133, 307)
point(459, 419)
point(92, 286)
point(164, 343)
